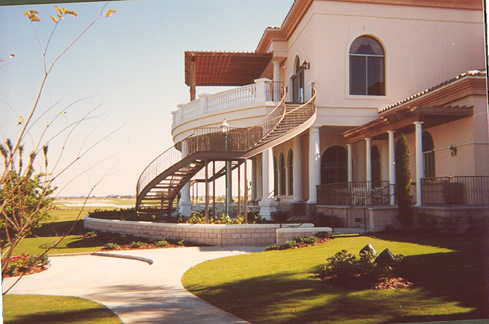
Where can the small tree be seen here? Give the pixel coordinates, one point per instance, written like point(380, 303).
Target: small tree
point(25, 202)
point(403, 191)
point(25, 194)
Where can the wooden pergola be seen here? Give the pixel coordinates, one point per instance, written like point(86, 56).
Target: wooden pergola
point(223, 68)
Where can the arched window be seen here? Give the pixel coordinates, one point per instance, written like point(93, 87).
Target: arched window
point(290, 172)
point(283, 172)
point(375, 165)
point(298, 82)
point(367, 67)
point(334, 165)
point(275, 177)
point(428, 155)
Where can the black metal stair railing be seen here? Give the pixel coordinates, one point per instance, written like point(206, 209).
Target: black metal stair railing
point(172, 168)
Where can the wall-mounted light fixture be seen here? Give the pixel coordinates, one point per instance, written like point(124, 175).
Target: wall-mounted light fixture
point(453, 150)
point(306, 65)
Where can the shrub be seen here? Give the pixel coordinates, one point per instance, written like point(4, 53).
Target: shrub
point(111, 246)
point(288, 245)
point(404, 196)
point(25, 262)
point(90, 234)
point(280, 216)
point(345, 266)
point(161, 243)
point(323, 234)
point(137, 245)
point(342, 265)
point(273, 247)
point(308, 240)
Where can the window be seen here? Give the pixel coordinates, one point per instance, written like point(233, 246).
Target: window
point(334, 165)
point(282, 174)
point(298, 82)
point(367, 67)
point(290, 172)
point(428, 155)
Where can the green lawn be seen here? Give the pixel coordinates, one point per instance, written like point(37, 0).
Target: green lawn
point(450, 277)
point(63, 218)
point(54, 309)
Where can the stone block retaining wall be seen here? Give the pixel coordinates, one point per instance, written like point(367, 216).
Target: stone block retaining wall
point(215, 234)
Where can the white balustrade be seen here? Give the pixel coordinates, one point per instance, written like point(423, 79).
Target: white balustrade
point(230, 99)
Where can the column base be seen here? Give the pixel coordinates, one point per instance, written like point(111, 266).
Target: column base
point(267, 207)
point(185, 208)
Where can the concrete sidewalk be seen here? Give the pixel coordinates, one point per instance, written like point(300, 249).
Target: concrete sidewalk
point(135, 290)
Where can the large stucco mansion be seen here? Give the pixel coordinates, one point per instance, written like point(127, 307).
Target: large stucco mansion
point(320, 105)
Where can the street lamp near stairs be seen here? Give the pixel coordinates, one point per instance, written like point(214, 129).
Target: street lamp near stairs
point(225, 131)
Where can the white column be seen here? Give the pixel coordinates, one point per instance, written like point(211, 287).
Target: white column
point(268, 204)
point(297, 171)
point(229, 176)
point(254, 180)
point(185, 204)
point(392, 168)
point(314, 164)
point(419, 160)
point(368, 160)
point(276, 70)
point(350, 162)
point(259, 177)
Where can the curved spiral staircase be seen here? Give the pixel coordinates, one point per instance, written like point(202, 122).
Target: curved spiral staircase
point(161, 181)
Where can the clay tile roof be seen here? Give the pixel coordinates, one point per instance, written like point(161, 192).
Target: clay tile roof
point(472, 73)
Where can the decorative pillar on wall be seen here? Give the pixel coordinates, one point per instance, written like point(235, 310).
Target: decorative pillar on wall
point(392, 168)
point(185, 204)
point(314, 164)
point(268, 204)
point(350, 162)
point(297, 171)
point(419, 160)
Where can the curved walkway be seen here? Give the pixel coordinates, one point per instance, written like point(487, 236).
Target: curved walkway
point(136, 291)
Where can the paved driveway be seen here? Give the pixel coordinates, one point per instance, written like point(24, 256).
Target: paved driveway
point(138, 292)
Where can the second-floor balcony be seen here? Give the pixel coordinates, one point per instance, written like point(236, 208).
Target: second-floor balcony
point(263, 92)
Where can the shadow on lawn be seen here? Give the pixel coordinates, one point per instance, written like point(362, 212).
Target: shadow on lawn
point(76, 316)
point(441, 281)
point(58, 228)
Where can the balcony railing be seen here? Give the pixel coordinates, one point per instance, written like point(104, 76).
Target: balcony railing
point(361, 193)
point(259, 93)
point(471, 191)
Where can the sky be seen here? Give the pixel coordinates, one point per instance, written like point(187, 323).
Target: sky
point(126, 75)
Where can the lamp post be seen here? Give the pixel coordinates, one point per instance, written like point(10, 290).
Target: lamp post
point(225, 130)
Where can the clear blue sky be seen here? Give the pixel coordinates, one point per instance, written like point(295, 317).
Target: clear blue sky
point(131, 64)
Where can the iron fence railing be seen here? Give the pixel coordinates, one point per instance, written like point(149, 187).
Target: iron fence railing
point(275, 91)
point(359, 193)
point(457, 190)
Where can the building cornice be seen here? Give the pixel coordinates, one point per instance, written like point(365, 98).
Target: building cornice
point(300, 7)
